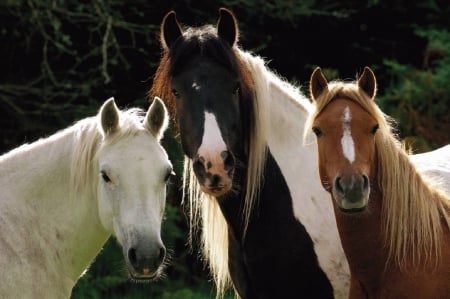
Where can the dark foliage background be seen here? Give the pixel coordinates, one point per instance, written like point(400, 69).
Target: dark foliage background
point(60, 59)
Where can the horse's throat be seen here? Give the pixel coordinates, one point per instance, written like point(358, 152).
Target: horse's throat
point(362, 241)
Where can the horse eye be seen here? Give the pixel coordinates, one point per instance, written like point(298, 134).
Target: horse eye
point(374, 129)
point(105, 177)
point(317, 131)
point(175, 93)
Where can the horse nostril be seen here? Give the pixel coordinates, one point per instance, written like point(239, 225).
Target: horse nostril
point(228, 160)
point(198, 165)
point(365, 182)
point(338, 185)
point(132, 257)
point(162, 255)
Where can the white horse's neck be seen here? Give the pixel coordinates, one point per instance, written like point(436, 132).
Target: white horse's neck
point(41, 222)
point(288, 110)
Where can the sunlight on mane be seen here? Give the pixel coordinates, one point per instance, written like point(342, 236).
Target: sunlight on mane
point(205, 211)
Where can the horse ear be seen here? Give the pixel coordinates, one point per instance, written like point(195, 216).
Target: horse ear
point(368, 83)
point(227, 27)
point(157, 118)
point(170, 30)
point(318, 83)
point(109, 117)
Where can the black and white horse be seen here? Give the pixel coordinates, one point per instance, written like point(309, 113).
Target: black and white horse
point(252, 186)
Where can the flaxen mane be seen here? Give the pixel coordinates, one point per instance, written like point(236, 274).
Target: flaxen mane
point(204, 211)
point(414, 213)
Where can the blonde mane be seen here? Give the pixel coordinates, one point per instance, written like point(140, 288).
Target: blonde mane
point(204, 210)
point(414, 213)
point(87, 140)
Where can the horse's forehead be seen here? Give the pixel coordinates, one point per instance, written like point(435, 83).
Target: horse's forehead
point(346, 112)
point(204, 69)
point(140, 147)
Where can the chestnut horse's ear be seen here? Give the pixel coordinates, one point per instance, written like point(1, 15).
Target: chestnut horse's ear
point(368, 83)
point(318, 83)
point(227, 27)
point(170, 30)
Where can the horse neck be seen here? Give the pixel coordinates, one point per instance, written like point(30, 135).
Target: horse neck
point(232, 206)
point(65, 229)
point(363, 242)
point(284, 110)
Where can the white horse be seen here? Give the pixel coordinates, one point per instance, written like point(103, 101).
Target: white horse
point(63, 196)
point(435, 164)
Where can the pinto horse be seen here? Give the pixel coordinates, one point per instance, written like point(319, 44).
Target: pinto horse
point(394, 222)
point(272, 235)
point(63, 196)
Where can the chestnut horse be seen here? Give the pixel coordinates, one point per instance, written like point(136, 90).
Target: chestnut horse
point(393, 220)
point(273, 236)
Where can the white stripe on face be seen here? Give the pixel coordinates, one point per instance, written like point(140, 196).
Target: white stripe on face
point(348, 147)
point(212, 141)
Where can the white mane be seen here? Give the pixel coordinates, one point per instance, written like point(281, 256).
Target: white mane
point(288, 110)
point(87, 137)
point(281, 111)
point(49, 213)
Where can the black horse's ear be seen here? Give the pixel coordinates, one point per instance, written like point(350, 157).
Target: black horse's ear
point(227, 27)
point(318, 83)
point(170, 30)
point(368, 83)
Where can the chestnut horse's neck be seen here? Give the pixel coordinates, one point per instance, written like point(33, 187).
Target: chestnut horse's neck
point(362, 240)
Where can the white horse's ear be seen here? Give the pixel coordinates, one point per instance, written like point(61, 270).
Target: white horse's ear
point(170, 30)
point(368, 83)
point(227, 27)
point(157, 118)
point(318, 83)
point(109, 117)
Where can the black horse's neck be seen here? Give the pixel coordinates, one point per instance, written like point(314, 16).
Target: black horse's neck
point(276, 259)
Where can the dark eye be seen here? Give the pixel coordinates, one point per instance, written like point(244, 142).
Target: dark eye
point(105, 177)
point(175, 93)
point(236, 89)
point(317, 131)
point(374, 129)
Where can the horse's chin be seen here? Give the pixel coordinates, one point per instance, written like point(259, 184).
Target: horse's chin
point(352, 211)
point(351, 203)
point(216, 192)
point(143, 277)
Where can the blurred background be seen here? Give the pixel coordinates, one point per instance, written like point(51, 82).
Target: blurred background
point(60, 60)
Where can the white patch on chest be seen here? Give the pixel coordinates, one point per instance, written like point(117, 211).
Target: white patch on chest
point(348, 147)
point(212, 141)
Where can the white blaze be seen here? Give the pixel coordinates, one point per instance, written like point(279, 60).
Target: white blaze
point(348, 147)
point(212, 141)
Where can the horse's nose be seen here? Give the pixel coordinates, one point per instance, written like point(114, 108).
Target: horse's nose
point(215, 172)
point(352, 187)
point(203, 164)
point(145, 261)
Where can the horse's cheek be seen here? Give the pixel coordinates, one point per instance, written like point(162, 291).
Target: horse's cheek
point(106, 213)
